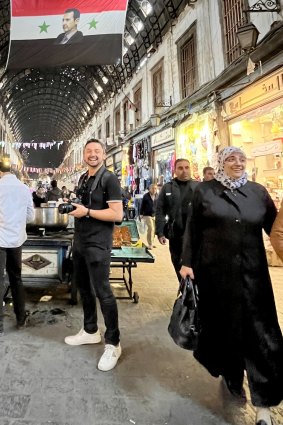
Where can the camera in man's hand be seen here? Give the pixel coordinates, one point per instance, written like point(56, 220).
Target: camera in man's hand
point(66, 208)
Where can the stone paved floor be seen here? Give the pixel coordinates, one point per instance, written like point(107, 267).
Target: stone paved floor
point(44, 381)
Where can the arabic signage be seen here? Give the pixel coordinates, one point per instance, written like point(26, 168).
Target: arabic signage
point(261, 92)
point(162, 137)
point(267, 148)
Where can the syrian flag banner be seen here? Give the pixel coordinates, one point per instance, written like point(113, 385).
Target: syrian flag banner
point(51, 33)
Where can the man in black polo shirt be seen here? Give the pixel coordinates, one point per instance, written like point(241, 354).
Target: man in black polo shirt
point(100, 193)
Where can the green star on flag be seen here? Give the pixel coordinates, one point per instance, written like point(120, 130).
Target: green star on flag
point(43, 27)
point(92, 24)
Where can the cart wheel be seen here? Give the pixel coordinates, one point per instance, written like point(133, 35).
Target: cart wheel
point(136, 297)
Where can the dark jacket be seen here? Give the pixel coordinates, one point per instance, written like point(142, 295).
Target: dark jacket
point(53, 194)
point(37, 200)
point(148, 206)
point(169, 204)
point(76, 38)
point(224, 246)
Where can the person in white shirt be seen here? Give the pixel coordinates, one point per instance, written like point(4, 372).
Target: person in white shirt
point(16, 209)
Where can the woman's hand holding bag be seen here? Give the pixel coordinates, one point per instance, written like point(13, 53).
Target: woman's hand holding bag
point(184, 323)
point(187, 271)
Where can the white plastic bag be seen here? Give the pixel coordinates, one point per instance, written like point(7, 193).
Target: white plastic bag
point(141, 226)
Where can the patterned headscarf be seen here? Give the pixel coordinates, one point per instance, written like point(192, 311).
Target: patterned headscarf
point(220, 176)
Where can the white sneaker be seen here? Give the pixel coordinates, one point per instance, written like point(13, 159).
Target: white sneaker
point(83, 337)
point(263, 416)
point(109, 358)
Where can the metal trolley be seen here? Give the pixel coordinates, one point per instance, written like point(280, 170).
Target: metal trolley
point(124, 258)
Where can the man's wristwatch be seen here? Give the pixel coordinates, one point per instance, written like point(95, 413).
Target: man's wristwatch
point(88, 211)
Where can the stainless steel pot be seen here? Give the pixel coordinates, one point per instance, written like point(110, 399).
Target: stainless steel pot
point(49, 217)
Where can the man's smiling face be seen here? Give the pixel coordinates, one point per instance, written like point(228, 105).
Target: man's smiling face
point(94, 154)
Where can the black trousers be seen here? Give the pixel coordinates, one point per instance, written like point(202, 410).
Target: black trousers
point(91, 276)
point(11, 259)
point(175, 248)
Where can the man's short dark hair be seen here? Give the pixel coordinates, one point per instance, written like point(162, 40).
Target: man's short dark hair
point(207, 169)
point(76, 13)
point(96, 141)
point(180, 160)
point(5, 166)
point(54, 183)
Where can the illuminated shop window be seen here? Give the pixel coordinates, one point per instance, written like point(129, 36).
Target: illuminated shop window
point(260, 134)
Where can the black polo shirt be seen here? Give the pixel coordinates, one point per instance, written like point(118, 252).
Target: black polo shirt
point(90, 231)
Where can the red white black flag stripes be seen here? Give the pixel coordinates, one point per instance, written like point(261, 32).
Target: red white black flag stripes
point(55, 33)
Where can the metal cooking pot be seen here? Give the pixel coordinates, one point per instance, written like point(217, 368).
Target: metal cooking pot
point(49, 217)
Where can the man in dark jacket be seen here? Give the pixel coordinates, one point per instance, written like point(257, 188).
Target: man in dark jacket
point(147, 212)
point(39, 196)
point(173, 207)
point(54, 194)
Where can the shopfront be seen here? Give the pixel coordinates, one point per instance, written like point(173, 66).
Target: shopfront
point(118, 164)
point(163, 155)
point(113, 162)
point(196, 140)
point(141, 164)
point(255, 122)
point(109, 163)
point(127, 178)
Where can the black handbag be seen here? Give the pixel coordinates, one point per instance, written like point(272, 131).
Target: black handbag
point(184, 323)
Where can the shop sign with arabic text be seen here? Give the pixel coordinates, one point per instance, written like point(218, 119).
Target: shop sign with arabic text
point(267, 148)
point(261, 92)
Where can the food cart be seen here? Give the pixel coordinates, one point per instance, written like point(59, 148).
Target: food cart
point(126, 253)
point(47, 254)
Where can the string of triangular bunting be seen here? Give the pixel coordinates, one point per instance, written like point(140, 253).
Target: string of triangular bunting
point(28, 145)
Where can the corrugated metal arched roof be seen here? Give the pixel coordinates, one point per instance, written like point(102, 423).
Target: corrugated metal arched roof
point(58, 103)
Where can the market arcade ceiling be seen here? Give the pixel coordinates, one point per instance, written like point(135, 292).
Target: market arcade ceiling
point(45, 104)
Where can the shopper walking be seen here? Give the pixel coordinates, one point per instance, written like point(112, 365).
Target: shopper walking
point(208, 174)
point(16, 209)
point(224, 253)
point(147, 213)
point(54, 194)
point(39, 196)
point(172, 210)
point(101, 205)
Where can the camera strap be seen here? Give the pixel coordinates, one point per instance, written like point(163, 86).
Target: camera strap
point(97, 179)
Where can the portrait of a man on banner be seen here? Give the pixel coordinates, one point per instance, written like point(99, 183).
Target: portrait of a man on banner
point(71, 34)
point(47, 33)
